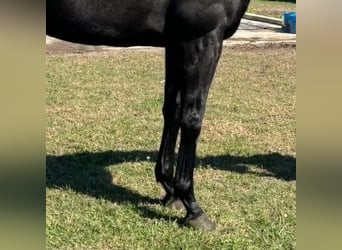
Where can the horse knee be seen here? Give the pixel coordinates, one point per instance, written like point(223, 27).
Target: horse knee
point(191, 123)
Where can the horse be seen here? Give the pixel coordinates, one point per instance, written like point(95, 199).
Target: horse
point(192, 33)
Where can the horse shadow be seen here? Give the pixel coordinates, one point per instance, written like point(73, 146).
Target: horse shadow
point(275, 165)
point(86, 173)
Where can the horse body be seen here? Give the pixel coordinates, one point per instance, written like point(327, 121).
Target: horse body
point(107, 22)
point(139, 22)
point(192, 32)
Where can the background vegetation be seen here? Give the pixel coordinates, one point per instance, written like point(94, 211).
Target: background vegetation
point(271, 8)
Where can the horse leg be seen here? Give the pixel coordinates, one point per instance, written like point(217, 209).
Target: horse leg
point(200, 57)
point(164, 169)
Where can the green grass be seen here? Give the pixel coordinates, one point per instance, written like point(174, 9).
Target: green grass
point(103, 129)
point(270, 8)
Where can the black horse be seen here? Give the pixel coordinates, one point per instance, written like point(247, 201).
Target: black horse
point(192, 32)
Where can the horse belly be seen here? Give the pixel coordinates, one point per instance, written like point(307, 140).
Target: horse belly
point(121, 22)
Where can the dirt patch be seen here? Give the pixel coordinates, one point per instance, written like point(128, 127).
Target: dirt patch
point(264, 45)
point(61, 47)
point(58, 47)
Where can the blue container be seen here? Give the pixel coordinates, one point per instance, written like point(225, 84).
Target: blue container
point(286, 18)
point(292, 25)
point(289, 22)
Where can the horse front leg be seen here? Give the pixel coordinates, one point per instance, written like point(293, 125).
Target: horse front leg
point(199, 64)
point(164, 169)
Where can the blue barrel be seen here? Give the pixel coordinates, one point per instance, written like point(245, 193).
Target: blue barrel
point(289, 22)
point(286, 17)
point(292, 23)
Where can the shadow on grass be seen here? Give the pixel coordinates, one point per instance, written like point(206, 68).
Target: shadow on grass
point(86, 173)
point(274, 164)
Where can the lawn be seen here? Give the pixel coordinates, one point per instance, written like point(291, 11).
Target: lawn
point(104, 124)
point(270, 8)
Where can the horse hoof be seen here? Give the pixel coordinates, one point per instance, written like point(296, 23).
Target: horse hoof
point(170, 201)
point(201, 222)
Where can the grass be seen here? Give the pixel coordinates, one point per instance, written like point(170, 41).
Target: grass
point(103, 129)
point(270, 8)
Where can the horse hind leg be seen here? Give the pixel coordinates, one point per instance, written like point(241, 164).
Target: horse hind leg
point(200, 59)
point(164, 169)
